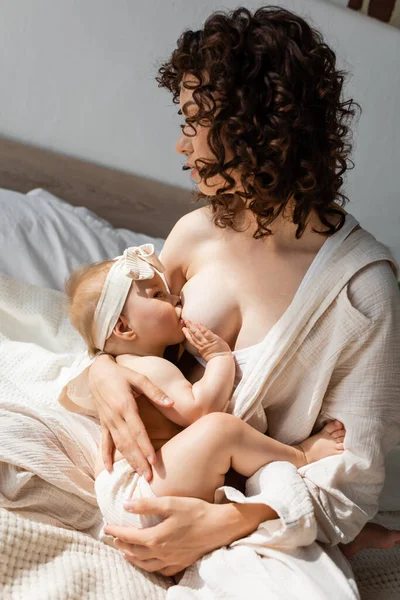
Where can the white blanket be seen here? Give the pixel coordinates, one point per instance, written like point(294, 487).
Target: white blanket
point(48, 532)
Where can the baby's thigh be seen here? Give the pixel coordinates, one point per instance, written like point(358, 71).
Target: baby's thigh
point(194, 462)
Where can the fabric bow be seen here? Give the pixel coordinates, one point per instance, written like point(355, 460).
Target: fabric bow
point(141, 262)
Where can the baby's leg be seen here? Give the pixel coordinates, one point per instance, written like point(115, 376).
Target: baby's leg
point(195, 461)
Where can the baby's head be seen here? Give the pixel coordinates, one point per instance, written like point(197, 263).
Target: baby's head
point(122, 306)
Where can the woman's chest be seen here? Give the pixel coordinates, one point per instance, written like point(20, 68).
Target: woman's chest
point(241, 295)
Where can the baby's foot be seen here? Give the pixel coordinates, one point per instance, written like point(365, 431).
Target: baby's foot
point(328, 442)
point(207, 343)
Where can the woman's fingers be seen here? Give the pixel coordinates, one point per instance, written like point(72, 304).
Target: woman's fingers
point(172, 570)
point(138, 449)
point(107, 447)
point(130, 535)
point(142, 506)
point(149, 506)
point(135, 550)
point(114, 388)
point(136, 555)
point(151, 565)
point(177, 541)
point(126, 443)
point(142, 384)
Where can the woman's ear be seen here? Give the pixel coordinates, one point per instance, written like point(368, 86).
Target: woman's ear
point(123, 331)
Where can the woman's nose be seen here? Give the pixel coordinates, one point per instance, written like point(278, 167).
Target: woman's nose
point(184, 144)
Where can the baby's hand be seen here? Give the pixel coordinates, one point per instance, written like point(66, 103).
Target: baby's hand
point(207, 343)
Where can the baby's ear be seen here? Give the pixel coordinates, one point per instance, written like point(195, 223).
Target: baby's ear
point(123, 330)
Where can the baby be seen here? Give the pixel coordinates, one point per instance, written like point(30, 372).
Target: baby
point(123, 307)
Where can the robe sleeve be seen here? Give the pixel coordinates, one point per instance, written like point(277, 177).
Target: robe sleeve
point(332, 499)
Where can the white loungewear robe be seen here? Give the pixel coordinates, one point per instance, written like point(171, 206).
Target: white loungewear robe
point(334, 354)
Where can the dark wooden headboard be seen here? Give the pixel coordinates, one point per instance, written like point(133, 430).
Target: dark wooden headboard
point(124, 199)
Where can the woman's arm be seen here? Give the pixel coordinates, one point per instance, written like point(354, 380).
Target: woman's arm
point(191, 528)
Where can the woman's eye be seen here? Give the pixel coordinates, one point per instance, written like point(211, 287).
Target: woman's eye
point(157, 295)
point(188, 129)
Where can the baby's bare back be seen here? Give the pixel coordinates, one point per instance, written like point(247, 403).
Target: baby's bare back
point(159, 428)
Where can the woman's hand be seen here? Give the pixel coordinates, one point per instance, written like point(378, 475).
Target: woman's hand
point(191, 528)
point(114, 389)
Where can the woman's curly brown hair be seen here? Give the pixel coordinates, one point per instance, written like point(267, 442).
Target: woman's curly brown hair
point(269, 89)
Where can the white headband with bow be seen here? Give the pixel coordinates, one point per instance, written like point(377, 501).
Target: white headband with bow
point(136, 263)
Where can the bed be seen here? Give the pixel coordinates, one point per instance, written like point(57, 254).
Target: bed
point(58, 212)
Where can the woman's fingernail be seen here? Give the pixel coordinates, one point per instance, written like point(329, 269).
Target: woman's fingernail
point(139, 472)
point(151, 460)
point(166, 400)
point(147, 475)
point(128, 505)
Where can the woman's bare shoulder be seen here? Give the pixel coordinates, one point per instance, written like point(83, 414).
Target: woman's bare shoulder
point(187, 236)
point(195, 225)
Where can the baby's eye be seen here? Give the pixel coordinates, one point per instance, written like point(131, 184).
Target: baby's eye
point(158, 295)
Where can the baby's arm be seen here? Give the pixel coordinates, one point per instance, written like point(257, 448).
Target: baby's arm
point(215, 387)
point(191, 402)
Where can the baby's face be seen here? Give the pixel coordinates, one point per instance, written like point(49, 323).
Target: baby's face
point(154, 313)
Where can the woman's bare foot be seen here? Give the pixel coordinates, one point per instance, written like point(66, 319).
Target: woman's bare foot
point(371, 536)
point(328, 442)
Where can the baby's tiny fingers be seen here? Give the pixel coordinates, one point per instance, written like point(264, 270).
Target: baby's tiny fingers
point(207, 334)
point(191, 326)
point(202, 328)
point(191, 338)
point(196, 333)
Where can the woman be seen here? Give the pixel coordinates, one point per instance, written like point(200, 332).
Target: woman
point(275, 267)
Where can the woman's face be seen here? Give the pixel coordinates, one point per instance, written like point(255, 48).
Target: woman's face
point(193, 142)
point(153, 313)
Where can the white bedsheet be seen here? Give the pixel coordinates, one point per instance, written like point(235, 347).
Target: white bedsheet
point(43, 238)
point(49, 532)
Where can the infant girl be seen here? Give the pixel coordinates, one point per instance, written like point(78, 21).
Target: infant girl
point(123, 307)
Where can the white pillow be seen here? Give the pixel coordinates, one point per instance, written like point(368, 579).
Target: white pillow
point(43, 238)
